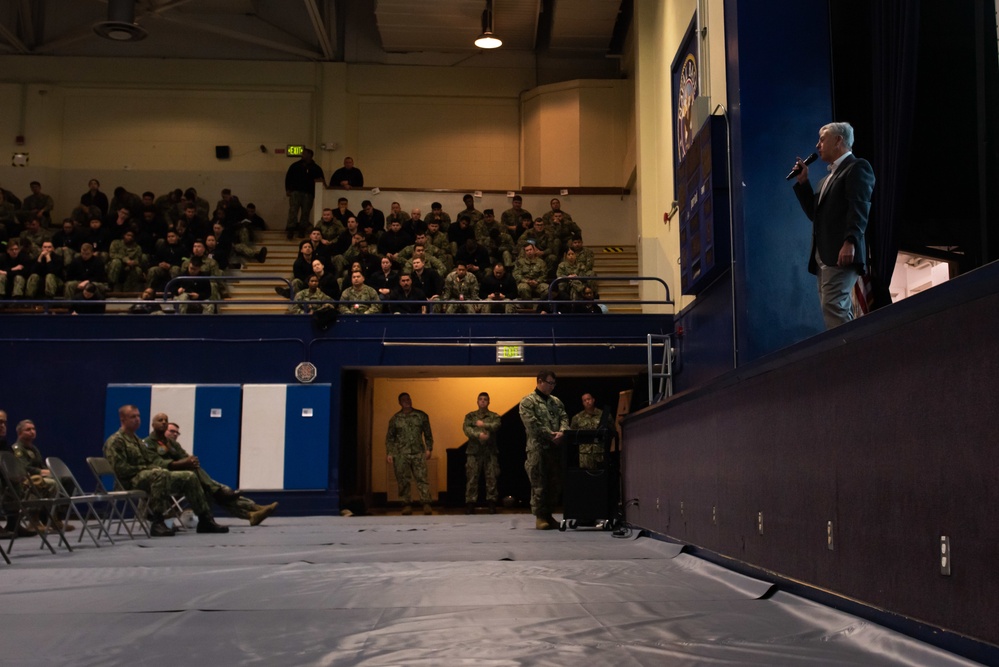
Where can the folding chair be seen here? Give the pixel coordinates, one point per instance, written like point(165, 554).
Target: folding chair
point(70, 488)
point(108, 483)
point(2, 492)
point(20, 496)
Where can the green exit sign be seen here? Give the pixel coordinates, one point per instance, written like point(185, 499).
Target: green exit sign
point(295, 150)
point(509, 351)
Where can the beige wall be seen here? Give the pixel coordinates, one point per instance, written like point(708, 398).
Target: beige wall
point(658, 29)
point(154, 125)
point(574, 134)
point(446, 401)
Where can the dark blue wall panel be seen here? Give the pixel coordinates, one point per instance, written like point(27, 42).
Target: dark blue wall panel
point(217, 438)
point(779, 94)
point(307, 438)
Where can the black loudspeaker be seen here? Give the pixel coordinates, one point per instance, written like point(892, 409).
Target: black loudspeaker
point(222, 152)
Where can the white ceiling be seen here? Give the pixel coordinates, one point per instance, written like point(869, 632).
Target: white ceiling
point(312, 30)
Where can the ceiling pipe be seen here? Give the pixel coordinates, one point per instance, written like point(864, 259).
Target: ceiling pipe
point(121, 25)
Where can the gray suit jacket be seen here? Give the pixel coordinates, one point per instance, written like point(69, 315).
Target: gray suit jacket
point(842, 213)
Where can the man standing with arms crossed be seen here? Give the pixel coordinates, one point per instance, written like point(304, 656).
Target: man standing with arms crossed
point(545, 422)
point(481, 455)
point(410, 443)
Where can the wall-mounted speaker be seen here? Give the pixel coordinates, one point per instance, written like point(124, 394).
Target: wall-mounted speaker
point(222, 152)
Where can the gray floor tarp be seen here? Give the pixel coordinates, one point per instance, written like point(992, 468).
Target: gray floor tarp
point(422, 590)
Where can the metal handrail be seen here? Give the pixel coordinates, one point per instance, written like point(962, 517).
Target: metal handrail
point(228, 279)
point(46, 304)
point(562, 279)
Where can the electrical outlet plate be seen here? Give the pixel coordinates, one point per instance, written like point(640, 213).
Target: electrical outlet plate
point(759, 523)
point(829, 536)
point(945, 558)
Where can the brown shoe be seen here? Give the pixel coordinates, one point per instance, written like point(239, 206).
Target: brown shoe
point(542, 524)
point(407, 510)
point(261, 513)
point(427, 509)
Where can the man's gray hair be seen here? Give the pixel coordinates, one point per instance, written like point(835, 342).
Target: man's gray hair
point(23, 424)
point(844, 130)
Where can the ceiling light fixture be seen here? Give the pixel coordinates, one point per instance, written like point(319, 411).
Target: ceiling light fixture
point(121, 25)
point(487, 40)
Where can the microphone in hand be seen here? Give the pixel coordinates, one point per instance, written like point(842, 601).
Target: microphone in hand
point(797, 169)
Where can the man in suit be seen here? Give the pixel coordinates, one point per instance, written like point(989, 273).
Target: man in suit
point(838, 210)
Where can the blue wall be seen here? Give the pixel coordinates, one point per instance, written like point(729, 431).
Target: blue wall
point(58, 367)
point(779, 93)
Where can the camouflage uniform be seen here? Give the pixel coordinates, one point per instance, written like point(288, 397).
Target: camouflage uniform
point(439, 241)
point(481, 457)
point(564, 232)
point(531, 269)
point(474, 216)
point(139, 467)
point(482, 229)
point(511, 217)
point(404, 442)
point(543, 415)
point(585, 260)
point(363, 293)
point(305, 299)
point(332, 230)
point(32, 241)
point(171, 450)
point(591, 454)
point(500, 249)
point(547, 217)
point(31, 460)
point(572, 289)
point(464, 289)
point(545, 242)
point(134, 278)
point(48, 274)
point(243, 249)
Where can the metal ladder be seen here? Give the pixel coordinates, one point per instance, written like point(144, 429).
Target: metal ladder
point(663, 371)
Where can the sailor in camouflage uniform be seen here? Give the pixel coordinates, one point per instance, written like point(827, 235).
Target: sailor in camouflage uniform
point(126, 264)
point(545, 422)
point(460, 285)
point(410, 443)
point(359, 292)
point(163, 441)
point(591, 454)
point(481, 454)
point(531, 274)
point(139, 467)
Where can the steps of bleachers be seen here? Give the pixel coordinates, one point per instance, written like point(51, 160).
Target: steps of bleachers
point(617, 261)
point(281, 254)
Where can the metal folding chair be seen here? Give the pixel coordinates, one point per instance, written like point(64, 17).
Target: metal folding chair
point(20, 496)
point(70, 488)
point(108, 482)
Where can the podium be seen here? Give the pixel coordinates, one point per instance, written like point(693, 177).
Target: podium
point(589, 495)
